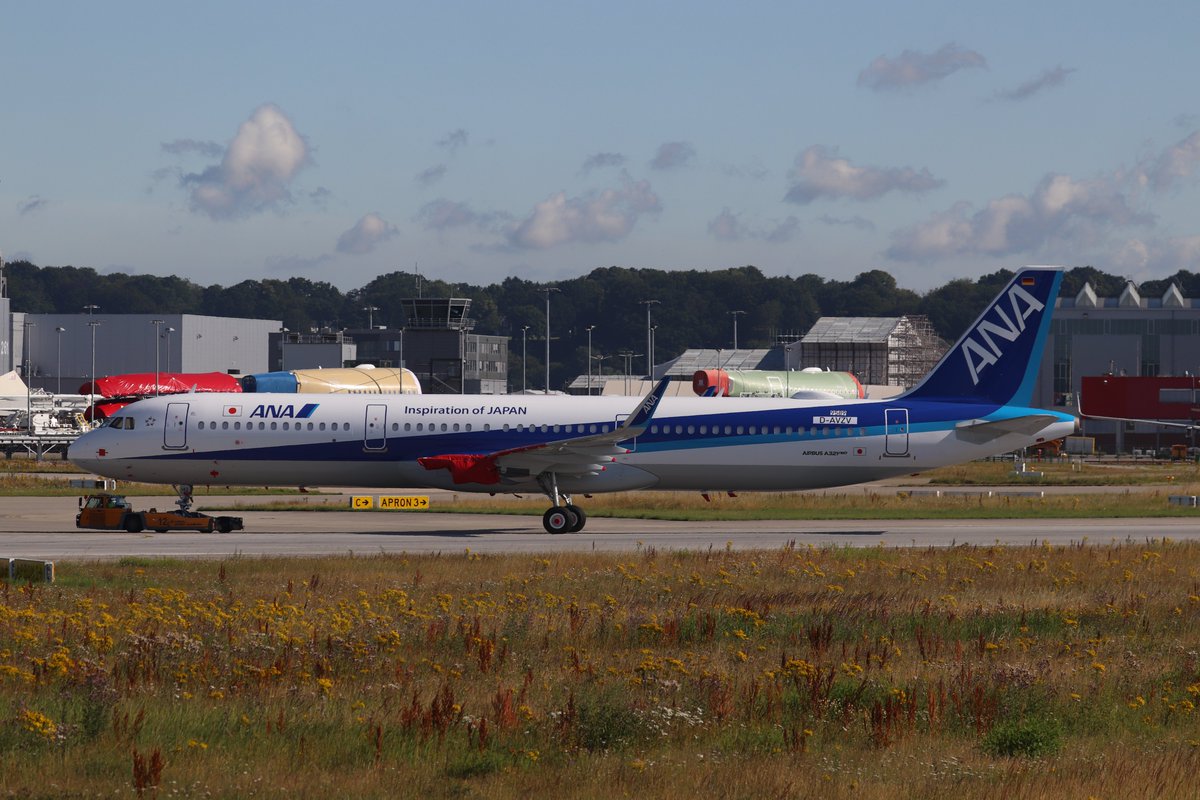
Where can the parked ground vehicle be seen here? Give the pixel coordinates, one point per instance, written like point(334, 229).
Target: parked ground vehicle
point(111, 512)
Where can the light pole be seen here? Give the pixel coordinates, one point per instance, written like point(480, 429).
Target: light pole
point(371, 316)
point(629, 356)
point(548, 291)
point(28, 369)
point(402, 348)
point(157, 323)
point(590, 328)
point(59, 330)
point(90, 308)
point(600, 369)
point(92, 323)
point(649, 346)
point(524, 331)
point(462, 361)
point(169, 332)
point(653, 336)
point(735, 315)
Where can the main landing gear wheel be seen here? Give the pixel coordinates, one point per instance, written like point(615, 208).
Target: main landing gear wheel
point(564, 519)
point(580, 518)
point(563, 516)
point(560, 519)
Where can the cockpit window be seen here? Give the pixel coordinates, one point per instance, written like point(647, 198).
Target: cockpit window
point(129, 423)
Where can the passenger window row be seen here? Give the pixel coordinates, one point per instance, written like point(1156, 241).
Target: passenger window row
point(262, 426)
point(740, 430)
point(578, 430)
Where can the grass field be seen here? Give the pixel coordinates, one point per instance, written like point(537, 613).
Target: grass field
point(27, 465)
point(1113, 472)
point(25, 484)
point(1023, 672)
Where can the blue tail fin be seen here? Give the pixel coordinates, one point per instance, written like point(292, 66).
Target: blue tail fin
point(996, 360)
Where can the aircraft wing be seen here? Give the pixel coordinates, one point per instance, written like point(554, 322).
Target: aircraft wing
point(578, 455)
point(978, 431)
point(1185, 425)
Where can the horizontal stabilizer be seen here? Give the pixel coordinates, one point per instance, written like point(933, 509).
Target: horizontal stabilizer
point(978, 431)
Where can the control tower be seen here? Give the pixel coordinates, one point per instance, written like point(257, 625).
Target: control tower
point(438, 344)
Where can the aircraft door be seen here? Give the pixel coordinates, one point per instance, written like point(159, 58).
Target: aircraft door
point(775, 387)
point(175, 426)
point(895, 422)
point(375, 427)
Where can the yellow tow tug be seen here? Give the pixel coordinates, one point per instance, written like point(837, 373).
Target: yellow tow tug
point(112, 512)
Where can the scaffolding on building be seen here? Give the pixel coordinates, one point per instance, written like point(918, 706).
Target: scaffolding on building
point(888, 351)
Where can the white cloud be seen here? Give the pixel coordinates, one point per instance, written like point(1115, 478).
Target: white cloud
point(1048, 79)
point(911, 68)
point(1158, 256)
point(727, 227)
point(367, 234)
point(256, 170)
point(605, 216)
point(1174, 163)
point(1060, 212)
point(673, 155)
point(817, 174)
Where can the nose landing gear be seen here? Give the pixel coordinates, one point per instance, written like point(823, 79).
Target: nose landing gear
point(184, 490)
point(563, 516)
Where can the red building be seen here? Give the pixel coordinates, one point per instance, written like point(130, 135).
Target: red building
point(1131, 405)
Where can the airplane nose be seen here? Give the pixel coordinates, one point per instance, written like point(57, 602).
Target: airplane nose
point(83, 453)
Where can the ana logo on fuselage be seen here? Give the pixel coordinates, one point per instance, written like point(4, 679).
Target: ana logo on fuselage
point(980, 349)
point(272, 411)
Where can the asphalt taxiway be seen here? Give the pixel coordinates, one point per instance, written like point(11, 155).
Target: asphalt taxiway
point(43, 528)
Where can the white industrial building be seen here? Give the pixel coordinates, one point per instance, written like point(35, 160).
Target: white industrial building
point(56, 350)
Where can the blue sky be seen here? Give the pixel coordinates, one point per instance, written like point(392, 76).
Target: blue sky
point(223, 141)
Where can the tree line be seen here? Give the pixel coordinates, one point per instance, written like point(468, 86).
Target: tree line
point(694, 309)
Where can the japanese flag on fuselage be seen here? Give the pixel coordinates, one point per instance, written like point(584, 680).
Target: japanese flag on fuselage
point(231, 411)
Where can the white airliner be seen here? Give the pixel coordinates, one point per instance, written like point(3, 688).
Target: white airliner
point(972, 404)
